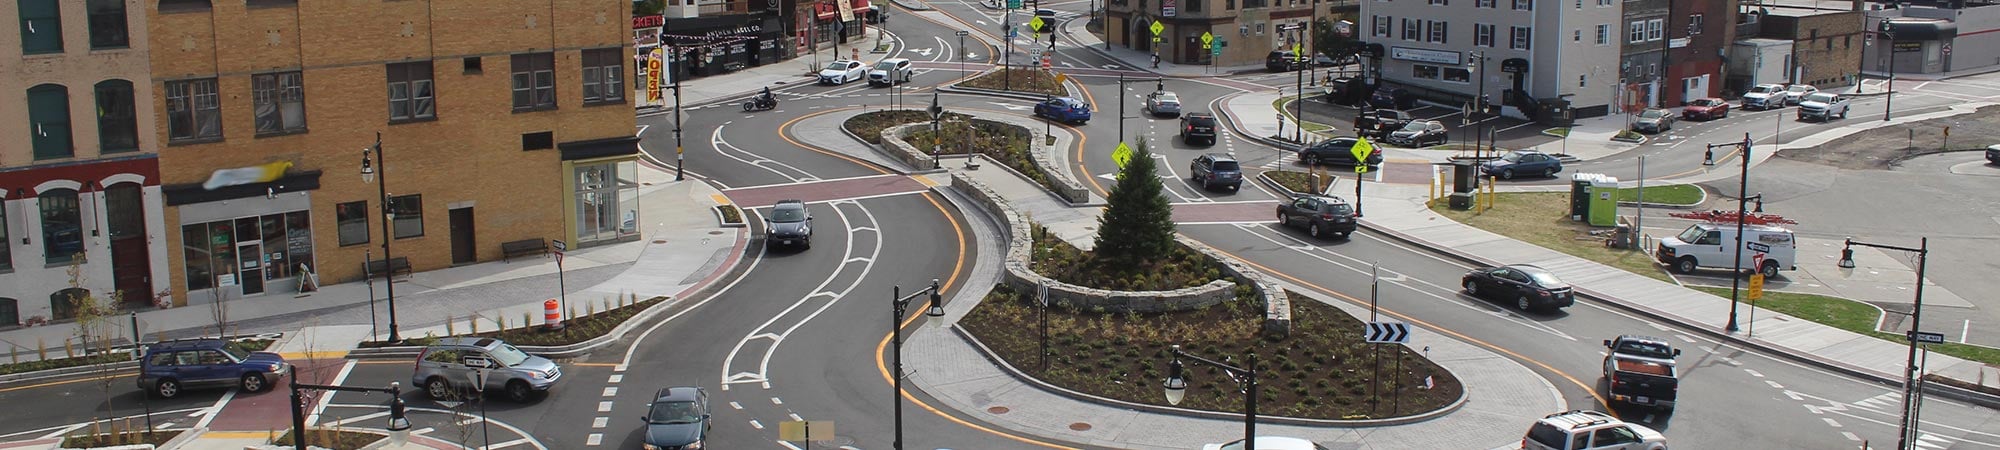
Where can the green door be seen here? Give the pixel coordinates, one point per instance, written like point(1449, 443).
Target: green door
point(48, 121)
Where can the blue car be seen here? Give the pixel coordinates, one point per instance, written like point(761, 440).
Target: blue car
point(171, 367)
point(1064, 109)
point(1522, 163)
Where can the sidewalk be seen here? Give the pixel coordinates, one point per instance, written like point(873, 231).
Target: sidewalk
point(1078, 31)
point(742, 83)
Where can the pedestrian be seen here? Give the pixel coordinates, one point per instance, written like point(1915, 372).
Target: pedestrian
point(1156, 60)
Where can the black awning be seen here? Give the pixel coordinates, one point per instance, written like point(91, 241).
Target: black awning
point(599, 148)
point(1923, 30)
point(191, 193)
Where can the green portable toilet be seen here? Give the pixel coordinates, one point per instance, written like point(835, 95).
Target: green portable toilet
point(1603, 190)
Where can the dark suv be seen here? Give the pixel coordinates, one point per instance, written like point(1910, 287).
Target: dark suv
point(1282, 60)
point(1378, 123)
point(1322, 215)
point(1198, 127)
point(170, 367)
point(789, 224)
point(1216, 169)
point(1337, 151)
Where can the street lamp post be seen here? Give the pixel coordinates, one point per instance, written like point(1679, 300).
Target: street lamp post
point(1890, 49)
point(1176, 387)
point(900, 303)
point(1742, 199)
point(1478, 70)
point(1160, 83)
point(1911, 382)
point(680, 162)
point(370, 158)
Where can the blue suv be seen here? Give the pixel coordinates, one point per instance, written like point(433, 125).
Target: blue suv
point(1064, 109)
point(171, 367)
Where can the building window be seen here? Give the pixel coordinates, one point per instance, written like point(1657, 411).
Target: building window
point(534, 81)
point(351, 222)
point(48, 121)
point(1694, 22)
point(1603, 34)
point(1581, 80)
point(1579, 4)
point(603, 72)
point(1655, 28)
point(1521, 37)
point(1576, 35)
point(1194, 6)
point(411, 91)
point(408, 211)
point(107, 24)
point(1424, 71)
point(1524, 5)
point(1602, 3)
point(540, 140)
point(1637, 33)
point(1482, 35)
point(194, 110)
point(1382, 24)
point(1440, 2)
point(1229, 5)
point(1486, 3)
point(1438, 33)
point(280, 99)
point(62, 226)
point(41, 27)
point(247, 251)
point(6, 246)
point(117, 120)
point(1410, 32)
point(607, 201)
point(1457, 74)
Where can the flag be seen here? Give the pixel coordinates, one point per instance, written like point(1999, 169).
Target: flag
point(246, 175)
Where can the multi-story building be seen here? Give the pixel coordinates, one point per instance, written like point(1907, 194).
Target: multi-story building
point(80, 201)
point(1931, 36)
point(1673, 50)
point(485, 123)
point(1523, 57)
point(1827, 40)
point(1245, 30)
point(1643, 37)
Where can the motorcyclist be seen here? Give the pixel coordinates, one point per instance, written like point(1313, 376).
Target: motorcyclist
point(766, 98)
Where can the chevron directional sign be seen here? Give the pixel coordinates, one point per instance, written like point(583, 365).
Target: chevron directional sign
point(1388, 333)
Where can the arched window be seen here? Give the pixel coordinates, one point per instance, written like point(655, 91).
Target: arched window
point(62, 226)
point(62, 304)
point(48, 121)
point(117, 123)
point(10, 311)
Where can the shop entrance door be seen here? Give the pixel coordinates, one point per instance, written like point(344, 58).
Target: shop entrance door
point(250, 267)
point(463, 249)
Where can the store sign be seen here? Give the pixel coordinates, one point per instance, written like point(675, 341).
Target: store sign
point(1167, 8)
point(1421, 55)
point(654, 21)
point(653, 74)
point(1909, 46)
point(746, 30)
point(645, 37)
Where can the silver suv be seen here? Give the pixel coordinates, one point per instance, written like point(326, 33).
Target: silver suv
point(1590, 430)
point(449, 367)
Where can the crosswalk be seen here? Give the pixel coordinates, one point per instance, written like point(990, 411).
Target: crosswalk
point(1882, 409)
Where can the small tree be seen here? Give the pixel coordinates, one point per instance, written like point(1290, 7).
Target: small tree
point(1138, 224)
point(94, 321)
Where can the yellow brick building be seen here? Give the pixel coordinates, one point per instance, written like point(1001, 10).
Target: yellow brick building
point(498, 121)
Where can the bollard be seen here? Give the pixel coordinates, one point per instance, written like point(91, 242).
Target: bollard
point(551, 315)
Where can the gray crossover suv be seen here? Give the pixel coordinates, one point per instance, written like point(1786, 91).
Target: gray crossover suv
point(445, 369)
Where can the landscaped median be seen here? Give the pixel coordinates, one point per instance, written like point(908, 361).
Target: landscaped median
point(1018, 80)
point(905, 135)
point(602, 322)
point(120, 358)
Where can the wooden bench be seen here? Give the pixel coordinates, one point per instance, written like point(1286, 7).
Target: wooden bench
point(392, 266)
point(523, 247)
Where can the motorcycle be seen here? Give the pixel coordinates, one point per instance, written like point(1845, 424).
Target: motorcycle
point(760, 104)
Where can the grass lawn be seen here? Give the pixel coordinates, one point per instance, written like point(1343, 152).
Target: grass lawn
point(1284, 105)
point(1542, 218)
point(1851, 316)
point(1678, 194)
point(1033, 81)
point(1557, 132)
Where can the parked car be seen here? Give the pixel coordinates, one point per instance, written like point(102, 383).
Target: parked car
point(1764, 96)
point(1393, 98)
point(1198, 128)
point(842, 71)
point(1590, 430)
point(1322, 215)
point(1640, 370)
point(1045, 12)
point(1419, 133)
point(1705, 109)
point(1343, 90)
point(1216, 169)
point(1064, 109)
point(1824, 106)
point(1522, 162)
point(1714, 245)
point(1268, 443)
point(677, 419)
point(891, 71)
point(1653, 120)
point(1993, 154)
point(1337, 151)
point(1797, 93)
point(1163, 103)
point(789, 224)
point(1529, 287)
point(1322, 60)
point(1283, 60)
point(172, 367)
point(445, 369)
point(1378, 123)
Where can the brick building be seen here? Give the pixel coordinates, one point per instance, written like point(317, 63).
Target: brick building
point(79, 183)
point(1827, 40)
point(497, 120)
point(1247, 30)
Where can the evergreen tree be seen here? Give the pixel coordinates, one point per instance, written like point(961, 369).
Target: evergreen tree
point(1138, 224)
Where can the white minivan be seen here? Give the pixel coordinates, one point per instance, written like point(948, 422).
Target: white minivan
point(1712, 245)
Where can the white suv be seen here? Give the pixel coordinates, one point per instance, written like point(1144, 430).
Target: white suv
point(890, 72)
point(1592, 430)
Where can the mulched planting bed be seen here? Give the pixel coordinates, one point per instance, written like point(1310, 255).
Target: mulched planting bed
point(1323, 370)
point(336, 440)
point(1033, 81)
point(869, 125)
point(126, 438)
point(1056, 258)
point(574, 330)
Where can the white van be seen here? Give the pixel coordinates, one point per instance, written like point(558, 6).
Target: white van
point(1712, 245)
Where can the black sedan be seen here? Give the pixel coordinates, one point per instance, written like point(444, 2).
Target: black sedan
point(1337, 151)
point(1531, 288)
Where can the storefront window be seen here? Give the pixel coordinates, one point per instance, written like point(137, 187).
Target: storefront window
point(409, 211)
point(62, 226)
point(247, 251)
point(194, 249)
point(607, 204)
point(6, 252)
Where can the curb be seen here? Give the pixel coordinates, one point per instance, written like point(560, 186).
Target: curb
point(723, 220)
point(1058, 390)
point(182, 439)
point(1965, 395)
point(916, 6)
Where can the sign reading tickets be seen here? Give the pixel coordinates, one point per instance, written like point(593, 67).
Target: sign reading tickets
point(653, 74)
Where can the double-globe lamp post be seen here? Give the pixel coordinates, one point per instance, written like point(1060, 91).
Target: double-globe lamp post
point(901, 303)
point(368, 175)
point(1176, 387)
point(1911, 405)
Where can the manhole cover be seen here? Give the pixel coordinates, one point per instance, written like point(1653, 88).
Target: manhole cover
point(997, 410)
point(1079, 426)
point(659, 241)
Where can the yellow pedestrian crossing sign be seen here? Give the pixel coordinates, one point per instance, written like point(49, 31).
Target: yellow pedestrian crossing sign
point(1361, 150)
point(1298, 51)
point(1756, 286)
point(1122, 155)
point(1157, 28)
point(1036, 24)
point(1207, 38)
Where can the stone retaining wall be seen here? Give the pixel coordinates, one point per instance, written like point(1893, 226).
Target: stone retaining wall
point(1066, 188)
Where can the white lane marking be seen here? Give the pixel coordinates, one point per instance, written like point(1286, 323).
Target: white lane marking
point(764, 363)
point(1794, 396)
point(1754, 373)
point(795, 417)
point(360, 418)
point(615, 379)
point(1830, 422)
point(594, 439)
point(736, 406)
point(777, 401)
point(755, 424)
point(1774, 384)
point(1850, 436)
point(469, 421)
point(1685, 338)
point(508, 444)
point(214, 409)
point(600, 422)
point(610, 392)
point(604, 406)
point(423, 431)
point(724, 148)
